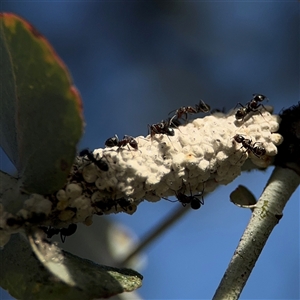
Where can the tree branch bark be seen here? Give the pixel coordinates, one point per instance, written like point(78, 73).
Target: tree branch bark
point(266, 215)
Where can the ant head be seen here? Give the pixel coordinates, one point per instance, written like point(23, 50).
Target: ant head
point(239, 138)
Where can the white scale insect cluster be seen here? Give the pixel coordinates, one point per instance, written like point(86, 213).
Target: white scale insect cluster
point(201, 155)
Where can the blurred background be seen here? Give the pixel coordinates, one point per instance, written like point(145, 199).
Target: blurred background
point(134, 62)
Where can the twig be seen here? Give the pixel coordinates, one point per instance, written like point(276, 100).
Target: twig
point(174, 216)
point(266, 215)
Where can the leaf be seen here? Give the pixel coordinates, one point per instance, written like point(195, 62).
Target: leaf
point(242, 197)
point(11, 198)
point(41, 111)
point(57, 274)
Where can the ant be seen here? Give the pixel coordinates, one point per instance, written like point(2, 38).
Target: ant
point(251, 106)
point(192, 199)
point(105, 206)
point(64, 232)
point(127, 139)
point(174, 123)
point(185, 110)
point(247, 144)
point(125, 204)
point(102, 165)
point(164, 127)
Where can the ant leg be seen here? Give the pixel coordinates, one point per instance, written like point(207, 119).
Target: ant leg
point(169, 199)
point(240, 104)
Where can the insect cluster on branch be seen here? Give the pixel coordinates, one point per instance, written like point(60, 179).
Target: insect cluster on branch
point(180, 157)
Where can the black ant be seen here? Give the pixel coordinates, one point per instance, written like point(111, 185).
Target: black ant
point(251, 106)
point(185, 110)
point(102, 165)
point(174, 123)
point(192, 199)
point(103, 206)
point(106, 205)
point(127, 140)
point(125, 204)
point(247, 144)
point(164, 127)
point(64, 232)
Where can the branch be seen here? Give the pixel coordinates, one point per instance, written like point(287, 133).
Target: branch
point(266, 215)
point(154, 233)
point(186, 161)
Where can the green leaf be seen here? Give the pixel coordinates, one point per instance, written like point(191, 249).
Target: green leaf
point(11, 198)
point(57, 274)
point(41, 110)
point(242, 197)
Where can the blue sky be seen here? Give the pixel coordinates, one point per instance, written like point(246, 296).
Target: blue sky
point(133, 63)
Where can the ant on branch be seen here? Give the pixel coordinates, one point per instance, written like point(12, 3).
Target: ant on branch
point(192, 199)
point(102, 165)
point(164, 127)
point(251, 106)
point(185, 110)
point(258, 151)
point(127, 140)
point(64, 232)
point(106, 205)
point(174, 123)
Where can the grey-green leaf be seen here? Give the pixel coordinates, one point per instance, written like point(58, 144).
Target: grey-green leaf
point(57, 274)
